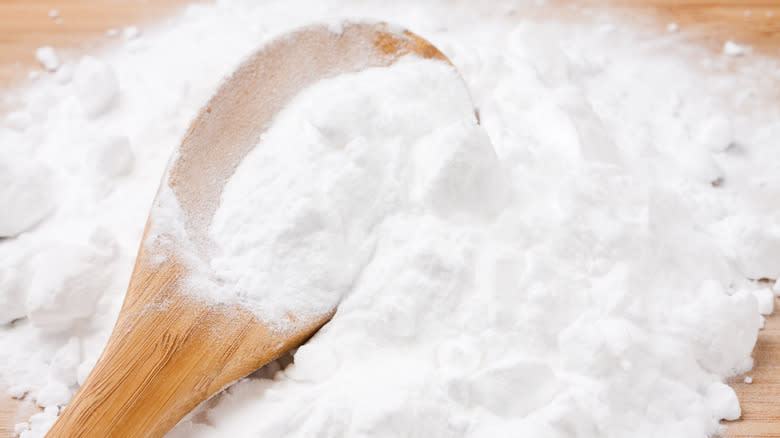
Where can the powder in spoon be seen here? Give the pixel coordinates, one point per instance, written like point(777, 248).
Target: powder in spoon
point(299, 219)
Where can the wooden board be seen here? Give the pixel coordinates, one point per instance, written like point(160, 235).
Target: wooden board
point(707, 22)
point(760, 400)
point(25, 25)
point(13, 412)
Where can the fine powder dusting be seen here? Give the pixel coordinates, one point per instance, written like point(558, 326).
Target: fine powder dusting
point(581, 263)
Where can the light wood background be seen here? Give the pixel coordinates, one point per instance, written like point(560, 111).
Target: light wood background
point(25, 25)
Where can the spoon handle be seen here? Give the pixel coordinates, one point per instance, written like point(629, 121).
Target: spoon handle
point(167, 354)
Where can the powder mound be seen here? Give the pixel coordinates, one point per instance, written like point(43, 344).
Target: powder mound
point(569, 268)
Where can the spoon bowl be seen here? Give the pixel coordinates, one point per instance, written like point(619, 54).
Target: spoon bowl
point(169, 350)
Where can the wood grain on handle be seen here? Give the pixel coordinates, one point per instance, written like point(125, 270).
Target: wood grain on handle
point(166, 355)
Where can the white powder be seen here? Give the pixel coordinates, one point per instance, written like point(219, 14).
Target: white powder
point(47, 57)
point(96, 86)
point(25, 193)
point(576, 266)
point(301, 217)
point(733, 49)
point(766, 301)
point(130, 32)
point(21, 427)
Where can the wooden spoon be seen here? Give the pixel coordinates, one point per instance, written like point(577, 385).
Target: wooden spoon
point(170, 351)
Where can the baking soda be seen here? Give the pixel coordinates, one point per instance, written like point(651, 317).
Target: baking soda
point(48, 58)
point(579, 264)
point(318, 203)
point(733, 49)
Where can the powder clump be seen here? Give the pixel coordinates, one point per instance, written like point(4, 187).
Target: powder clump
point(26, 193)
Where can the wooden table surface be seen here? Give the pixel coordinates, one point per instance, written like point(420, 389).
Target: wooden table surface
point(25, 25)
